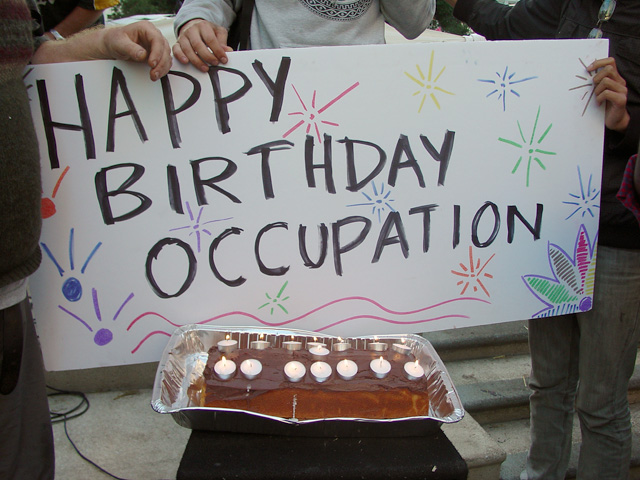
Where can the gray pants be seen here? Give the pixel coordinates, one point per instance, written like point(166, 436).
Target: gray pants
point(584, 361)
point(26, 438)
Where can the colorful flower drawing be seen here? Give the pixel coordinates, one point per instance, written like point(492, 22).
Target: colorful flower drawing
point(570, 290)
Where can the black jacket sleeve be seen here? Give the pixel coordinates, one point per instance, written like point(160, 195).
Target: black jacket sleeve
point(526, 20)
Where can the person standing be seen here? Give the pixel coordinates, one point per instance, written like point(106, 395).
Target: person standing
point(584, 361)
point(26, 440)
point(201, 26)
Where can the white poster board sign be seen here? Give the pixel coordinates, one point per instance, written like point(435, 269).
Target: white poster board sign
point(348, 191)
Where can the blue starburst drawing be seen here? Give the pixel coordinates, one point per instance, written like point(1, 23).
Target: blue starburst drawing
point(197, 226)
point(276, 301)
point(72, 286)
point(379, 201)
point(504, 85)
point(530, 147)
point(585, 202)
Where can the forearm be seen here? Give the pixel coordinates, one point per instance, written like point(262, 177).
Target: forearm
point(527, 19)
point(86, 45)
point(79, 19)
point(218, 12)
point(409, 17)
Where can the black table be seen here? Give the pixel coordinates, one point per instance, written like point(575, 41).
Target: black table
point(213, 455)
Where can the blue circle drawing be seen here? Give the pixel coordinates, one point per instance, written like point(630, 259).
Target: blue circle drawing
point(72, 289)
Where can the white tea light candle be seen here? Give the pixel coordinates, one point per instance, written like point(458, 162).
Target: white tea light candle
point(320, 371)
point(347, 369)
point(294, 371)
point(251, 368)
point(227, 345)
point(377, 346)
point(292, 345)
point(413, 370)
point(319, 352)
point(260, 344)
point(401, 348)
point(340, 345)
point(225, 368)
point(380, 367)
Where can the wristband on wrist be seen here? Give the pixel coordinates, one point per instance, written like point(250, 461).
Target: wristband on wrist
point(55, 34)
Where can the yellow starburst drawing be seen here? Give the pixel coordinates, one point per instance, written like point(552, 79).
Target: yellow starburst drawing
point(427, 84)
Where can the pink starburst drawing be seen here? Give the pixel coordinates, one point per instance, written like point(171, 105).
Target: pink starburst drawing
point(311, 114)
point(473, 274)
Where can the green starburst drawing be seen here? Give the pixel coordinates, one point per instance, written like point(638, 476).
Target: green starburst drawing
point(276, 301)
point(531, 148)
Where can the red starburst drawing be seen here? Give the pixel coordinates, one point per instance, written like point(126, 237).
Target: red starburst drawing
point(473, 274)
point(47, 207)
point(311, 114)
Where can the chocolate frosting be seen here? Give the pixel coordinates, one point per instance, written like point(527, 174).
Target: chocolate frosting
point(272, 376)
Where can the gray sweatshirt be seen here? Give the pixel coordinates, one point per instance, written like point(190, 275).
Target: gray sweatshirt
point(305, 23)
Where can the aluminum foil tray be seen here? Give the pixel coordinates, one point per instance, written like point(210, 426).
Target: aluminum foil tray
point(186, 354)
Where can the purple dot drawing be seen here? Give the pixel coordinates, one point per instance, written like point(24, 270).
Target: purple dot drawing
point(379, 201)
point(71, 287)
point(102, 336)
point(196, 225)
point(587, 200)
point(503, 85)
point(588, 87)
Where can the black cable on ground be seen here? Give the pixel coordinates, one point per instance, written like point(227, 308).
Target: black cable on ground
point(74, 412)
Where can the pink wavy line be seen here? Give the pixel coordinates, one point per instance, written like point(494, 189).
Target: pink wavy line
point(157, 332)
point(333, 302)
point(395, 322)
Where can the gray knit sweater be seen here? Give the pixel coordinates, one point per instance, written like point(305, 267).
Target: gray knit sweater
point(20, 190)
point(303, 23)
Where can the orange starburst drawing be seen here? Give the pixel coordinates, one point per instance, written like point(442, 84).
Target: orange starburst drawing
point(473, 274)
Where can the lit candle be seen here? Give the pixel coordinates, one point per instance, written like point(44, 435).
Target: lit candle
point(224, 368)
point(260, 344)
point(315, 343)
point(292, 345)
point(401, 348)
point(341, 346)
point(347, 369)
point(227, 345)
point(413, 370)
point(320, 371)
point(319, 352)
point(294, 371)
point(377, 346)
point(380, 367)
point(251, 368)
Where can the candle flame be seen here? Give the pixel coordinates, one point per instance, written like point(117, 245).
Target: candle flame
point(227, 338)
point(261, 336)
point(224, 361)
point(292, 337)
point(315, 339)
point(417, 364)
point(404, 340)
point(375, 339)
point(380, 361)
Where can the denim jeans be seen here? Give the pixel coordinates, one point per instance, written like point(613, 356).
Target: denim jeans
point(582, 363)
